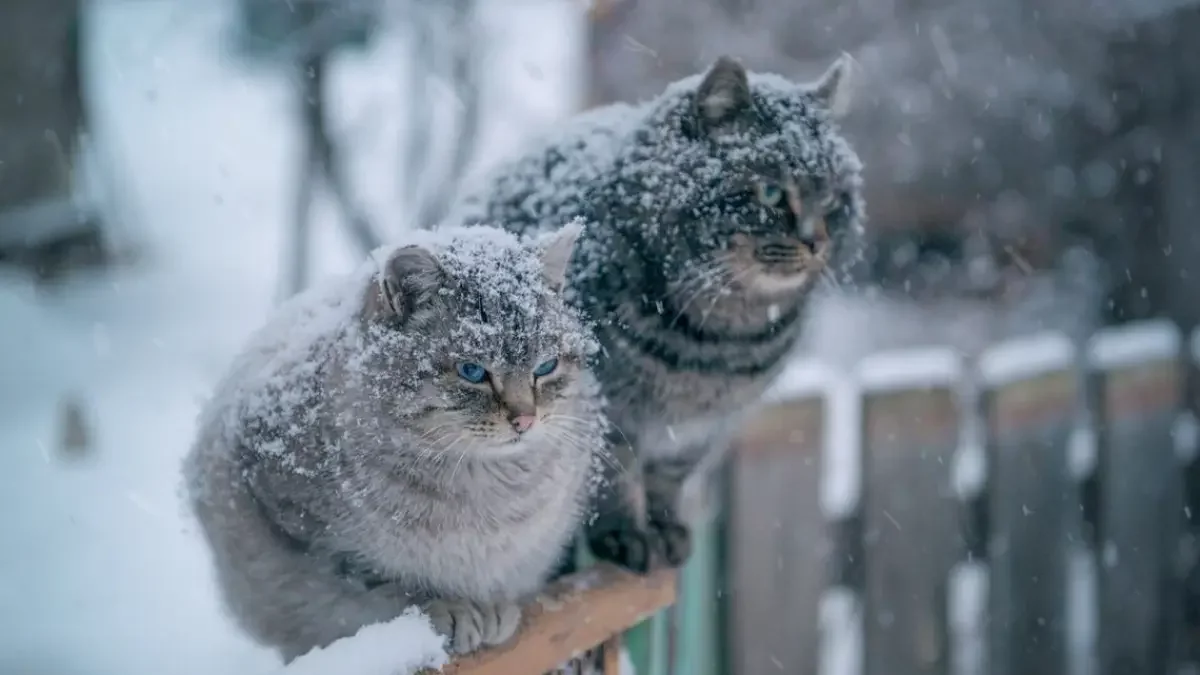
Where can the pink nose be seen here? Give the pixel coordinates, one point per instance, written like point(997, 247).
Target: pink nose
point(522, 423)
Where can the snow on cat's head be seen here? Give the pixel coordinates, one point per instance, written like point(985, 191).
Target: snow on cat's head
point(747, 172)
point(468, 344)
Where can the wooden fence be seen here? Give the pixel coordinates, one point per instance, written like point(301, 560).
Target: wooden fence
point(1022, 511)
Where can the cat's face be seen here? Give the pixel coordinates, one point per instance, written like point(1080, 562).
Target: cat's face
point(490, 360)
point(773, 190)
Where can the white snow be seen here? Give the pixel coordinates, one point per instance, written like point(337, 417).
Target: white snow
point(103, 572)
point(910, 368)
point(968, 611)
point(801, 377)
point(1082, 611)
point(841, 454)
point(1082, 454)
point(969, 474)
point(400, 647)
point(841, 619)
point(1134, 344)
point(1185, 432)
point(1022, 358)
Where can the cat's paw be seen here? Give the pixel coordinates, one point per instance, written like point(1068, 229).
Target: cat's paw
point(673, 541)
point(469, 626)
point(664, 543)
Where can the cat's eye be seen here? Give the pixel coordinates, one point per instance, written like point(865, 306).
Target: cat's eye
point(769, 194)
point(472, 372)
point(545, 368)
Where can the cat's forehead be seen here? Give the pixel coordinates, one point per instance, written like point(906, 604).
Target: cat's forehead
point(786, 135)
point(793, 136)
point(513, 322)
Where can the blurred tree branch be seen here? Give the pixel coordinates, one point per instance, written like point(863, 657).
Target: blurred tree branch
point(305, 34)
point(442, 30)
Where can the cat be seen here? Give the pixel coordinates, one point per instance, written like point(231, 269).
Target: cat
point(418, 434)
point(711, 212)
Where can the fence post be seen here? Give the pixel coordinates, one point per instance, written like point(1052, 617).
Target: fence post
point(1140, 496)
point(1188, 444)
point(777, 544)
point(1030, 406)
point(842, 610)
point(911, 416)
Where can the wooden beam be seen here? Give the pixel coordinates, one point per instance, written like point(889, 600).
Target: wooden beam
point(574, 615)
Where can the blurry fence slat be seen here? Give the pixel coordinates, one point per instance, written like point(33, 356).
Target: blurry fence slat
point(1140, 386)
point(910, 435)
point(1030, 403)
point(779, 550)
point(1189, 446)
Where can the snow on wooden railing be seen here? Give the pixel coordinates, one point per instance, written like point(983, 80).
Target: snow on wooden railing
point(576, 615)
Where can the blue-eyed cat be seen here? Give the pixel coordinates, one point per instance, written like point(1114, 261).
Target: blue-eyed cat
point(711, 212)
point(421, 433)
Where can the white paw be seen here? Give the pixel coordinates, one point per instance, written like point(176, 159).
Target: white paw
point(470, 625)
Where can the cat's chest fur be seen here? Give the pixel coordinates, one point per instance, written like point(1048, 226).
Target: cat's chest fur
point(676, 412)
point(491, 532)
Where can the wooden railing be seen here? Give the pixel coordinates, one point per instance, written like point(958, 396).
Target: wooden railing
point(583, 615)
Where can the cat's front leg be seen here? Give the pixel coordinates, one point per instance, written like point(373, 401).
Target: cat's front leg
point(637, 525)
point(470, 625)
point(672, 537)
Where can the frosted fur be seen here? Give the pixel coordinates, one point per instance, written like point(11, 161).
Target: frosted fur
point(673, 264)
point(344, 470)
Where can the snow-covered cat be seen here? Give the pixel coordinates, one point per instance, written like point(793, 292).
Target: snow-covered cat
point(711, 212)
point(421, 434)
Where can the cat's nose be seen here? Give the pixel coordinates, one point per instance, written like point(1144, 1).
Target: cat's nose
point(522, 423)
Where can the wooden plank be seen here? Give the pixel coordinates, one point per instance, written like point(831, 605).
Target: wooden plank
point(910, 528)
point(780, 549)
point(794, 426)
point(1034, 520)
point(574, 615)
point(1141, 501)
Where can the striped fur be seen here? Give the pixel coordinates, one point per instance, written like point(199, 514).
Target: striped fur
point(673, 270)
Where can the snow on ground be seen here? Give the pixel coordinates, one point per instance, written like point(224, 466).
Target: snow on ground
point(102, 571)
point(395, 648)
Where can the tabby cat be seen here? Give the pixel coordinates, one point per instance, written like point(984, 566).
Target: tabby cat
point(711, 212)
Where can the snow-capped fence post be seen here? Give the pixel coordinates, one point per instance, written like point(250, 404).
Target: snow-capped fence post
point(1140, 510)
point(1030, 404)
point(911, 419)
point(778, 544)
point(1188, 445)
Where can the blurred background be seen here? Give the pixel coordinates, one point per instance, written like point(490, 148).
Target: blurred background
point(1013, 495)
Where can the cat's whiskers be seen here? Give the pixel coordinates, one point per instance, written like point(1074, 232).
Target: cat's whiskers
point(828, 275)
point(578, 441)
point(426, 445)
point(431, 452)
point(708, 275)
point(737, 276)
point(577, 430)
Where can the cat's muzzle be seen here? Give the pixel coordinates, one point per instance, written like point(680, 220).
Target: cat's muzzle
point(789, 255)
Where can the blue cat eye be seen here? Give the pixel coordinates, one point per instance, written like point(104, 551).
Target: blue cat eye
point(545, 368)
point(472, 372)
point(769, 193)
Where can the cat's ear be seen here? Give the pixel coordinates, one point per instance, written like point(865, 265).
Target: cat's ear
point(834, 89)
point(555, 249)
point(723, 94)
point(409, 280)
